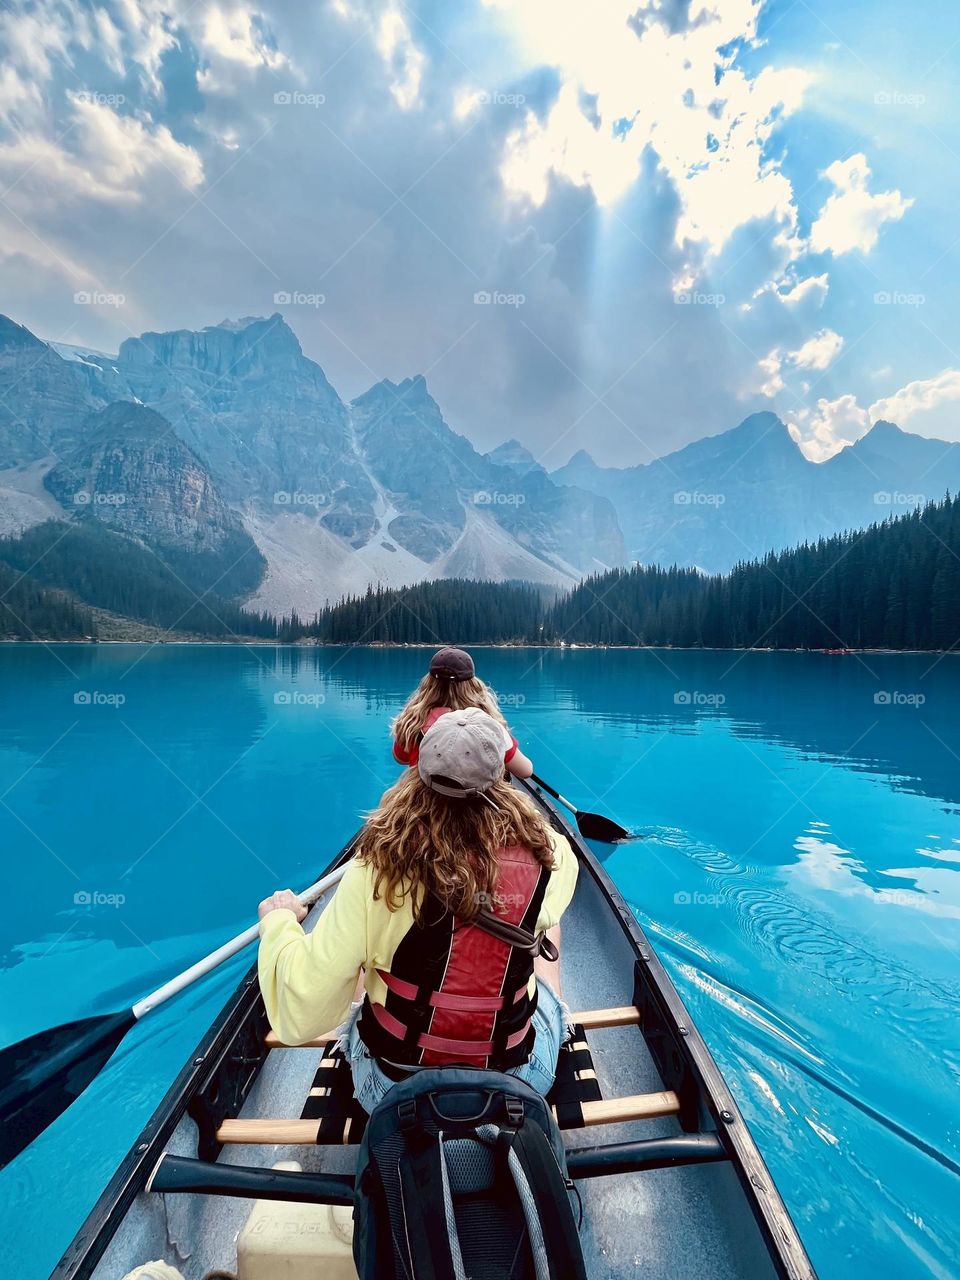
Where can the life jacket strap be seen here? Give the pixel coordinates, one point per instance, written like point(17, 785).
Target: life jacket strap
point(445, 1000)
point(514, 935)
point(441, 1044)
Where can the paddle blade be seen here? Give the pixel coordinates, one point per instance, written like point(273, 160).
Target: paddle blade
point(45, 1073)
point(594, 826)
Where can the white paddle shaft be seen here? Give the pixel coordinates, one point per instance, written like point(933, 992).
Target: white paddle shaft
point(182, 980)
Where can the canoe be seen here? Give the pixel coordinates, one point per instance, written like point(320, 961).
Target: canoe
point(671, 1182)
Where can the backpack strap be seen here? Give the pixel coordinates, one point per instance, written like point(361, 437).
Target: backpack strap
point(545, 1201)
point(432, 1246)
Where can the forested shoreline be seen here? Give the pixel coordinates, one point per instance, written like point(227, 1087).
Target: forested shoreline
point(894, 585)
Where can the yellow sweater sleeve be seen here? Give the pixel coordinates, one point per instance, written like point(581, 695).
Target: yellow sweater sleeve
point(562, 882)
point(308, 979)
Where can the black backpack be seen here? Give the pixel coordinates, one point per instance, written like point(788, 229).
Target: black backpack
point(461, 1173)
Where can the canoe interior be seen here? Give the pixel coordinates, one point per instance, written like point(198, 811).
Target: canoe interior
point(698, 1220)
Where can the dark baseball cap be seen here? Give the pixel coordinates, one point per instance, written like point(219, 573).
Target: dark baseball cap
point(452, 664)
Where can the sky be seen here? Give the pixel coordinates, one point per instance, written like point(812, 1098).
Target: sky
point(611, 225)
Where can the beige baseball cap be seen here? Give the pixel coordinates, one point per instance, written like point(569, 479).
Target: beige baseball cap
point(461, 755)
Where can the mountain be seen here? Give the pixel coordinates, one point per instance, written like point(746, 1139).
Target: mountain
point(42, 400)
point(336, 496)
point(242, 468)
point(737, 495)
point(131, 472)
point(515, 456)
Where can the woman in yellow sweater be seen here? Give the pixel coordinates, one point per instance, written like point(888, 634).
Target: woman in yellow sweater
point(451, 912)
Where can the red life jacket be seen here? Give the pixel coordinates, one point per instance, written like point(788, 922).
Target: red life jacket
point(457, 992)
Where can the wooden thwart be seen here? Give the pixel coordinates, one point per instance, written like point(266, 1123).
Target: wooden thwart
point(640, 1106)
point(627, 1015)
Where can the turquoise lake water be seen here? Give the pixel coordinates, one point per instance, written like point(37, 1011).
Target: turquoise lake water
point(799, 876)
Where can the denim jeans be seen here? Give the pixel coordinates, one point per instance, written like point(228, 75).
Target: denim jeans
point(370, 1084)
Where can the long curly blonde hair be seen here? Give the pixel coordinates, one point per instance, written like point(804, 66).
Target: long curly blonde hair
point(417, 841)
point(438, 691)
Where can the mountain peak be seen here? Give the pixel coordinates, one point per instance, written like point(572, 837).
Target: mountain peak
point(239, 347)
point(761, 424)
point(515, 456)
point(410, 392)
point(415, 386)
point(581, 459)
point(16, 335)
point(237, 326)
point(884, 430)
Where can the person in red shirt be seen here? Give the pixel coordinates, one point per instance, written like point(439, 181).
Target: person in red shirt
point(451, 684)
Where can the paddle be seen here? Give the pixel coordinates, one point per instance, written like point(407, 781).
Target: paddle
point(45, 1073)
point(594, 826)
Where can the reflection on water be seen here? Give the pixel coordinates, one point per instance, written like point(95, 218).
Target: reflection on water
point(798, 875)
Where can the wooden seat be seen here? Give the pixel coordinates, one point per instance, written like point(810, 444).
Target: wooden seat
point(332, 1115)
point(640, 1106)
point(591, 1020)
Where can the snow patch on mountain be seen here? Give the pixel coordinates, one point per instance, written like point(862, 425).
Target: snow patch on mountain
point(308, 566)
point(485, 550)
point(24, 501)
point(82, 355)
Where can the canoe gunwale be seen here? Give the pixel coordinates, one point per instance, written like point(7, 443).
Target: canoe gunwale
point(89, 1244)
point(652, 981)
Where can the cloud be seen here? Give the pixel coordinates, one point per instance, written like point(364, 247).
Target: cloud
point(797, 293)
point(628, 84)
point(918, 398)
point(816, 353)
point(852, 216)
point(617, 150)
point(405, 61)
point(105, 156)
point(770, 374)
point(819, 351)
point(237, 35)
point(825, 430)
